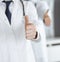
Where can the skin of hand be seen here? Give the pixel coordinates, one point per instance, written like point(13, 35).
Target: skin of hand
point(30, 29)
point(47, 20)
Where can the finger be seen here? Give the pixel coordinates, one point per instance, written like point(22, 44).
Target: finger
point(30, 31)
point(31, 34)
point(30, 37)
point(30, 27)
point(27, 21)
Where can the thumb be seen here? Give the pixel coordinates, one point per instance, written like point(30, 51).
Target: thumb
point(26, 20)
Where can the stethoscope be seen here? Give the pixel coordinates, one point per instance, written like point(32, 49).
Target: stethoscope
point(23, 7)
point(25, 16)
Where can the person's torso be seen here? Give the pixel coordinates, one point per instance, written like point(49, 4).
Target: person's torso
point(13, 44)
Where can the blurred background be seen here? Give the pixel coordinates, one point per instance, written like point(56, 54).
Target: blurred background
point(52, 31)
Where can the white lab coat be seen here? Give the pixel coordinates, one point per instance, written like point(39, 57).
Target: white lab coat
point(40, 47)
point(13, 45)
point(42, 8)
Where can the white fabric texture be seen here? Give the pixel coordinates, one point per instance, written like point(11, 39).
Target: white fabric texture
point(42, 8)
point(13, 45)
point(40, 48)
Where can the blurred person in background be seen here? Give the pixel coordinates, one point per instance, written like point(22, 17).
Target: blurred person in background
point(41, 48)
point(43, 10)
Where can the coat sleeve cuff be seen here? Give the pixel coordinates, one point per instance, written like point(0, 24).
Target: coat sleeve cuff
point(37, 36)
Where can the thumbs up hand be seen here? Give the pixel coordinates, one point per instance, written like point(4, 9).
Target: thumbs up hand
point(30, 29)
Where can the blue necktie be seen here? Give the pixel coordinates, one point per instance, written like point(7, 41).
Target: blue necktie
point(7, 12)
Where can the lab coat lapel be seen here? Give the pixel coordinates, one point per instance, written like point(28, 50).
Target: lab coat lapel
point(3, 17)
point(17, 14)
